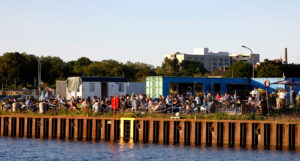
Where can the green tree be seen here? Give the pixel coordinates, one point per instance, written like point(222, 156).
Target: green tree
point(80, 65)
point(191, 68)
point(240, 69)
point(29, 72)
point(12, 67)
point(269, 69)
point(170, 67)
point(137, 71)
point(291, 70)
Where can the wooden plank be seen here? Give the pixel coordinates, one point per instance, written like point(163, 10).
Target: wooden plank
point(17, 126)
point(150, 131)
point(58, 128)
point(25, 126)
point(237, 133)
point(103, 129)
point(75, 129)
point(141, 130)
point(9, 126)
point(84, 129)
point(171, 132)
point(261, 135)
point(50, 128)
point(2, 126)
point(203, 132)
point(249, 133)
point(67, 129)
point(112, 129)
point(33, 127)
point(193, 132)
point(215, 133)
point(161, 132)
point(273, 134)
point(181, 132)
point(226, 133)
point(42, 128)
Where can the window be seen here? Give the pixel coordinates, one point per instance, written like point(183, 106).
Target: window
point(214, 59)
point(221, 59)
point(121, 87)
point(220, 64)
point(226, 59)
point(92, 87)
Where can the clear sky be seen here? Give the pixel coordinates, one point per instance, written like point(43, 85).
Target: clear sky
point(140, 30)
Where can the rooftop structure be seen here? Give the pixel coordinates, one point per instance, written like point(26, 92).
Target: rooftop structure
point(249, 58)
point(210, 60)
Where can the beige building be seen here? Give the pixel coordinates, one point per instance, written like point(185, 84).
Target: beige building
point(249, 58)
point(210, 60)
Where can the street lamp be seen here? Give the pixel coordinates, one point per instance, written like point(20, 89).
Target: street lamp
point(252, 56)
point(39, 75)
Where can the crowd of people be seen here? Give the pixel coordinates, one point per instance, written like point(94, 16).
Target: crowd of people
point(188, 103)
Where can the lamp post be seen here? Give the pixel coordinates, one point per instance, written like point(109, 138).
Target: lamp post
point(39, 76)
point(252, 56)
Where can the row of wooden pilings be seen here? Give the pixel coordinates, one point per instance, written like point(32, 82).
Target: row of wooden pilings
point(266, 134)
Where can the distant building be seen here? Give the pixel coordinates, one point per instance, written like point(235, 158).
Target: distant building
point(249, 58)
point(218, 73)
point(83, 87)
point(210, 60)
point(280, 61)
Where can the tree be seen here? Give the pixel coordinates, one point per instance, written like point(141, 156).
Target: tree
point(291, 70)
point(191, 68)
point(270, 69)
point(30, 70)
point(137, 71)
point(170, 67)
point(12, 67)
point(80, 65)
point(240, 69)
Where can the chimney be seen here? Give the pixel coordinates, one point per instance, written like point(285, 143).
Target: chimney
point(285, 56)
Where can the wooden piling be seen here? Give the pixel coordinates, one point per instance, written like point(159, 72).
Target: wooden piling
point(67, 134)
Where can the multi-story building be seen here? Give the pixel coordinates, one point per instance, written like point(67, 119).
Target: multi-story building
point(249, 58)
point(210, 60)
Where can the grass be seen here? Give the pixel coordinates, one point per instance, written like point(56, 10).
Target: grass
point(118, 114)
point(285, 114)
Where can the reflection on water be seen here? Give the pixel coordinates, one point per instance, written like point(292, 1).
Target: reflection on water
point(36, 149)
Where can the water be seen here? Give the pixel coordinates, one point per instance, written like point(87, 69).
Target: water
point(36, 149)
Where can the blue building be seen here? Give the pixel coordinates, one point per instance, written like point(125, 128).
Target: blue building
point(158, 85)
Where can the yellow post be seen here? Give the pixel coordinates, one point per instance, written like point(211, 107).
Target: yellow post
point(131, 128)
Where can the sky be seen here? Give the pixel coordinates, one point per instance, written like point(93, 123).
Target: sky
point(145, 31)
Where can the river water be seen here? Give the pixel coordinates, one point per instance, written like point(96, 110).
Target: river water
point(39, 149)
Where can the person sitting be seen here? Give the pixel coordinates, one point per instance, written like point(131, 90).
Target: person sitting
point(255, 92)
point(85, 104)
point(203, 108)
point(73, 106)
point(96, 106)
point(28, 101)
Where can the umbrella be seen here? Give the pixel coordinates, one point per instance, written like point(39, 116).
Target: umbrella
point(290, 82)
point(260, 91)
